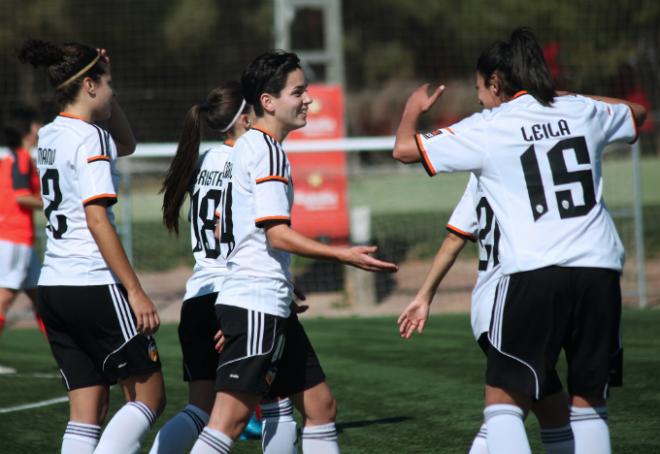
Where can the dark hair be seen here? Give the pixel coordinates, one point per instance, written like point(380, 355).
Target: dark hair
point(267, 74)
point(62, 62)
point(219, 109)
point(520, 65)
point(18, 125)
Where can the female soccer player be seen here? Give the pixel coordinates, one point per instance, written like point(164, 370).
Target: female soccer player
point(98, 319)
point(265, 351)
point(473, 220)
point(19, 196)
point(538, 159)
point(225, 111)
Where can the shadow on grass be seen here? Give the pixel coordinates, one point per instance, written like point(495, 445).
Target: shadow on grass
point(341, 426)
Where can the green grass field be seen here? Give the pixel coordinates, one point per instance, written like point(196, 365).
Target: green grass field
point(394, 396)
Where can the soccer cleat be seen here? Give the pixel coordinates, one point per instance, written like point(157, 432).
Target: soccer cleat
point(252, 430)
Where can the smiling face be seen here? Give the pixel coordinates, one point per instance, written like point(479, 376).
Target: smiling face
point(290, 106)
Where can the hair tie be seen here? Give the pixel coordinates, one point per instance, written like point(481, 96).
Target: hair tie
point(231, 123)
point(79, 73)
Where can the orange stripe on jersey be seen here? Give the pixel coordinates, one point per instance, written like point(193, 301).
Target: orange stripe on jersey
point(519, 94)
point(230, 142)
point(450, 130)
point(460, 232)
point(273, 178)
point(632, 115)
point(425, 158)
point(98, 158)
point(68, 115)
point(265, 132)
point(100, 196)
point(271, 218)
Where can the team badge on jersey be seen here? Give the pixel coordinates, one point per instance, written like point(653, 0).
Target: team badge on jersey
point(431, 134)
point(153, 349)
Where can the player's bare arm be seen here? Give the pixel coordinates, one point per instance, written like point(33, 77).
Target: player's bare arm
point(414, 317)
point(30, 201)
point(405, 148)
point(113, 253)
point(117, 125)
point(281, 236)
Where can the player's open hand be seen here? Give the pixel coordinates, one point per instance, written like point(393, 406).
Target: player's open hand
point(413, 318)
point(145, 312)
point(421, 101)
point(360, 257)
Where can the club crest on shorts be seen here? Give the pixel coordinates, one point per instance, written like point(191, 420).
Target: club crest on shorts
point(152, 349)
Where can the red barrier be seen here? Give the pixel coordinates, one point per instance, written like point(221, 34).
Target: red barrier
point(320, 180)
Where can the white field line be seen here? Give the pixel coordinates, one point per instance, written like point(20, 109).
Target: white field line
point(43, 403)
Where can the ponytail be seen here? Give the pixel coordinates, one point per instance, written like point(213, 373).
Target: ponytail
point(179, 176)
point(220, 110)
point(520, 65)
point(529, 69)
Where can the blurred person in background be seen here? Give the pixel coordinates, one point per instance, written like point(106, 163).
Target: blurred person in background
point(19, 197)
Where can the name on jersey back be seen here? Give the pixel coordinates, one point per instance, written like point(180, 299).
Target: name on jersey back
point(545, 131)
point(46, 156)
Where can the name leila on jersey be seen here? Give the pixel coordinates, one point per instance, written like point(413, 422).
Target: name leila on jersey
point(46, 156)
point(545, 131)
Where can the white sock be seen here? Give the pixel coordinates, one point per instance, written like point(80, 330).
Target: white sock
point(558, 441)
point(80, 438)
point(479, 444)
point(278, 431)
point(590, 430)
point(126, 429)
point(320, 439)
point(180, 433)
point(506, 431)
point(212, 441)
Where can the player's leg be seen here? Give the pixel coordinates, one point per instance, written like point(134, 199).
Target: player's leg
point(12, 273)
point(7, 296)
point(197, 327)
point(87, 388)
point(595, 356)
point(302, 378)
point(247, 367)
point(130, 359)
point(529, 318)
point(552, 412)
point(29, 285)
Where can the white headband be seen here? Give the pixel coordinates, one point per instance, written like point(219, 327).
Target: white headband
point(238, 114)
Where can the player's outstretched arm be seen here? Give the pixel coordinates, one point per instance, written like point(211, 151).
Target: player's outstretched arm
point(112, 251)
point(281, 236)
point(405, 148)
point(638, 111)
point(120, 130)
point(414, 317)
point(30, 201)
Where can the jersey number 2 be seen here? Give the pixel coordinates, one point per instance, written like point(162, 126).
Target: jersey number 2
point(53, 176)
point(560, 176)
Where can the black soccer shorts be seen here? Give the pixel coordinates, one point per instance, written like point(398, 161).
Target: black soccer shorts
point(539, 312)
point(92, 334)
point(197, 327)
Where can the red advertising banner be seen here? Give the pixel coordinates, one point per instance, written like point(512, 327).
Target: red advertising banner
point(319, 178)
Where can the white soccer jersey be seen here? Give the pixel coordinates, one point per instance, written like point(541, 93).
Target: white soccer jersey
point(205, 197)
point(259, 189)
point(540, 168)
point(77, 165)
point(473, 219)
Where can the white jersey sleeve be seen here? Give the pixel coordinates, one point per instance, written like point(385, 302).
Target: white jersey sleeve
point(454, 149)
point(94, 167)
point(618, 122)
point(271, 181)
point(463, 220)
